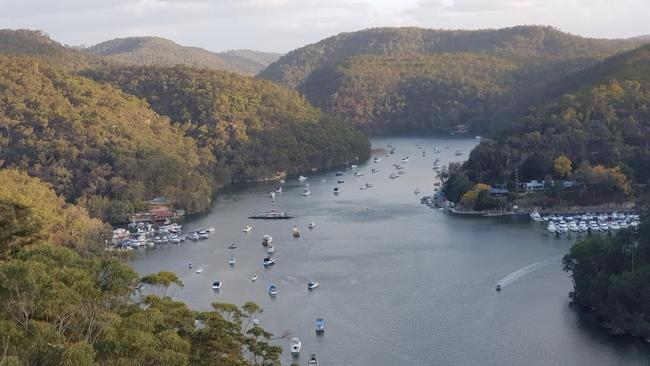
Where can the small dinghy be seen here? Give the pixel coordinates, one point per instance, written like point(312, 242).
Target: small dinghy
point(254, 277)
point(273, 289)
point(232, 260)
point(216, 285)
point(312, 285)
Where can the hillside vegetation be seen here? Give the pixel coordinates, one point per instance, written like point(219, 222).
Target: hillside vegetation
point(601, 124)
point(158, 51)
point(342, 74)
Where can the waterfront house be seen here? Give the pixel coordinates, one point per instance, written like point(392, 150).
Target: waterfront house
point(534, 186)
point(160, 209)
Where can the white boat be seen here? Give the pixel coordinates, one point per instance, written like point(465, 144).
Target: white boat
point(270, 249)
point(551, 227)
point(354, 166)
point(271, 194)
point(358, 174)
point(295, 232)
point(535, 216)
point(232, 260)
point(302, 178)
point(312, 225)
point(267, 240)
point(254, 277)
point(210, 229)
point(562, 228)
point(306, 192)
point(320, 326)
point(312, 285)
point(393, 176)
point(458, 152)
point(267, 262)
point(337, 190)
point(295, 347)
point(247, 228)
point(256, 321)
point(216, 285)
point(312, 360)
point(573, 226)
point(614, 226)
point(377, 159)
point(273, 289)
point(417, 191)
point(278, 189)
point(200, 270)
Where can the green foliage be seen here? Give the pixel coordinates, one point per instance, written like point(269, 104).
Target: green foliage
point(611, 276)
point(256, 129)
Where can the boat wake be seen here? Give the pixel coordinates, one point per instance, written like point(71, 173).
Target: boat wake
point(514, 276)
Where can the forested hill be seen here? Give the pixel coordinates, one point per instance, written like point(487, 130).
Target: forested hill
point(424, 80)
point(39, 44)
point(255, 128)
point(600, 126)
point(163, 52)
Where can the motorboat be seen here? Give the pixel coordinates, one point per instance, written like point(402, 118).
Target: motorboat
point(267, 240)
point(273, 289)
point(312, 360)
point(337, 190)
point(200, 270)
point(295, 232)
point(271, 215)
point(363, 187)
point(393, 176)
point(377, 159)
point(194, 236)
point(498, 287)
point(247, 229)
point(354, 166)
point(232, 260)
point(562, 228)
point(295, 347)
point(551, 227)
point(268, 261)
point(210, 229)
point(272, 194)
point(278, 189)
point(270, 249)
point(216, 285)
point(340, 181)
point(306, 192)
point(339, 174)
point(373, 171)
point(302, 178)
point(312, 285)
point(312, 225)
point(458, 152)
point(320, 326)
point(358, 174)
point(417, 191)
point(535, 216)
point(232, 246)
point(254, 277)
point(573, 226)
point(256, 321)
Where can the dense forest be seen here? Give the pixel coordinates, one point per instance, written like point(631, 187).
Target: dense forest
point(63, 301)
point(611, 278)
point(600, 127)
point(256, 129)
point(423, 80)
point(163, 52)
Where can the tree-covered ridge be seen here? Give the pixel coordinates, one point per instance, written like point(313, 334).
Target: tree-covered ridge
point(521, 43)
point(93, 143)
point(60, 306)
point(256, 129)
point(163, 52)
point(611, 277)
point(601, 124)
point(38, 44)
point(414, 93)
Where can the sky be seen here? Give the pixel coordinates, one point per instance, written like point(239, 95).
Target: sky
point(283, 25)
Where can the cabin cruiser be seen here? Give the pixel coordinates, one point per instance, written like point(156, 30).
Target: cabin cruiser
point(273, 289)
point(302, 178)
point(247, 229)
point(312, 285)
point(306, 192)
point(562, 228)
point(604, 226)
point(216, 285)
point(320, 326)
point(295, 232)
point(270, 250)
point(232, 260)
point(573, 226)
point(312, 360)
point(210, 229)
point(551, 227)
point(267, 240)
point(535, 216)
point(268, 261)
point(312, 225)
point(271, 215)
point(296, 345)
point(337, 190)
point(593, 226)
point(614, 226)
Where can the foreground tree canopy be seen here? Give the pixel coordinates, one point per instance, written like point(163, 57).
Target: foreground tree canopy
point(62, 306)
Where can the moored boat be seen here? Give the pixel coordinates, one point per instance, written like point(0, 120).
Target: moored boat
point(216, 285)
point(320, 326)
point(273, 289)
point(295, 347)
point(267, 240)
point(247, 229)
point(312, 285)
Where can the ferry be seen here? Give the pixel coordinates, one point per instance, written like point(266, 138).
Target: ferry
point(271, 215)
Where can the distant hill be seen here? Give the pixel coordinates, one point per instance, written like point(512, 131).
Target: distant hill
point(388, 79)
point(39, 44)
point(158, 51)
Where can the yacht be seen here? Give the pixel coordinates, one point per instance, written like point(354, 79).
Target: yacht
point(551, 227)
point(306, 192)
point(273, 289)
point(295, 232)
point(295, 346)
point(312, 225)
point(247, 229)
point(232, 260)
point(216, 285)
point(268, 261)
point(270, 250)
point(535, 216)
point(267, 240)
point(320, 326)
point(302, 178)
point(312, 285)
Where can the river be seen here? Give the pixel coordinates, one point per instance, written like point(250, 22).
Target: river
point(400, 284)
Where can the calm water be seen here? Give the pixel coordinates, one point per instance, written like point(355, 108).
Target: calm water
point(401, 284)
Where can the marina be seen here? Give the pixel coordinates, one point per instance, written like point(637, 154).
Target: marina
point(447, 269)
